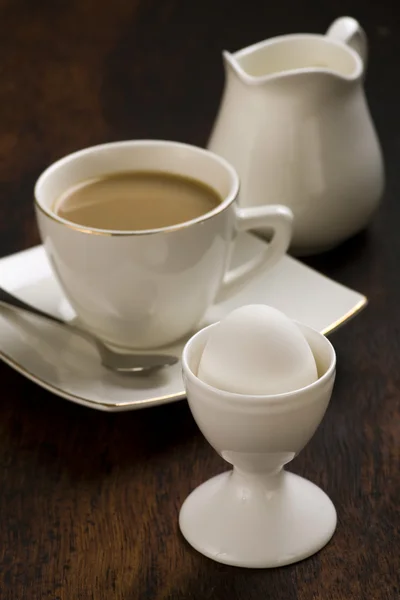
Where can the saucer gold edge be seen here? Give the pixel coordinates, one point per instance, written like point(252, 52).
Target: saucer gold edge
point(105, 406)
point(346, 317)
point(137, 404)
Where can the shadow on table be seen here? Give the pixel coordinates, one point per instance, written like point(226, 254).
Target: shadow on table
point(54, 434)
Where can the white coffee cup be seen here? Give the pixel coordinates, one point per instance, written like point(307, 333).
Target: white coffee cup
point(145, 289)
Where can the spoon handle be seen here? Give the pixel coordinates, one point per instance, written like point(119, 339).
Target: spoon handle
point(11, 300)
point(112, 360)
point(7, 299)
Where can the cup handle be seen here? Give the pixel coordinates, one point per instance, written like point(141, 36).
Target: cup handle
point(277, 217)
point(349, 31)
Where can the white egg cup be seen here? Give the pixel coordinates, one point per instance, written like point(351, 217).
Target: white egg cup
point(258, 515)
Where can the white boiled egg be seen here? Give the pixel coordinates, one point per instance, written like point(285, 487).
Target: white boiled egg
point(257, 350)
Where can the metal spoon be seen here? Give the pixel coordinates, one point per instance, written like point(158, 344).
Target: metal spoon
point(110, 359)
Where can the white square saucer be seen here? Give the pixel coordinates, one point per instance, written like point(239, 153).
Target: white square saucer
point(70, 367)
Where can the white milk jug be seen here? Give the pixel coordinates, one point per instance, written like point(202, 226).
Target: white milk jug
point(295, 124)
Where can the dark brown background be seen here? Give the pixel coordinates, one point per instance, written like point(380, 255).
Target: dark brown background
point(89, 501)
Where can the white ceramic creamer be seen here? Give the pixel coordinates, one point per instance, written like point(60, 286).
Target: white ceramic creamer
point(295, 124)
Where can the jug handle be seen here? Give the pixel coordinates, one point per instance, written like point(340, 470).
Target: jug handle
point(349, 31)
point(277, 217)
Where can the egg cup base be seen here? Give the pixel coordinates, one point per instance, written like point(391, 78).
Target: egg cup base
point(257, 521)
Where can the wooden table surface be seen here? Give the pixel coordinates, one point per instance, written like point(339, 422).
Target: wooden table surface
point(89, 501)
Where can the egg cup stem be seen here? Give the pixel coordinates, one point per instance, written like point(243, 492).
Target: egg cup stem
point(257, 520)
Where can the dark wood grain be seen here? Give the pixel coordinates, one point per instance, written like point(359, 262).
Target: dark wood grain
point(89, 501)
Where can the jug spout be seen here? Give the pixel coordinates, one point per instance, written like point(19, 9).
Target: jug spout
point(232, 66)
